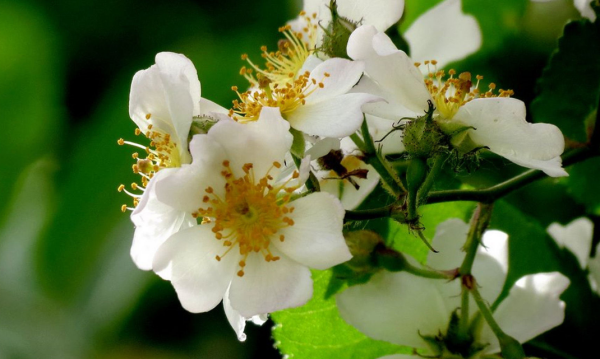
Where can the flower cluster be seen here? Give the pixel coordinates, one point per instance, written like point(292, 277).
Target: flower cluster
point(238, 204)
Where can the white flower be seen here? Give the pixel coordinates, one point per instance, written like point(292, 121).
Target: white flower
point(577, 238)
point(401, 307)
point(164, 99)
point(315, 102)
point(497, 121)
point(256, 243)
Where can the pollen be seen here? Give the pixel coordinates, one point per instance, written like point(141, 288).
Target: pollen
point(280, 83)
point(450, 92)
point(248, 213)
point(162, 152)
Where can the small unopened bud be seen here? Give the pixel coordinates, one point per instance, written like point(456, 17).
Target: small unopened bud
point(362, 244)
point(510, 348)
point(422, 135)
point(337, 33)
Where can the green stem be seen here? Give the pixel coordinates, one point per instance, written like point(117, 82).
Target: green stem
point(438, 163)
point(491, 194)
point(388, 176)
point(463, 325)
point(381, 212)
point(427, 273)
point(479, 222)
point(510, 347)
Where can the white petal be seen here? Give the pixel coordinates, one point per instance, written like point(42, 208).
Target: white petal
point(174, 67)
point(500, 124)
point(450, 236)
point(185, 188)
point(337, 117)
point(154, 222)
point(490, 265)
point(270, 286)
point(532, 307)
point(260, 142)
point(576, 237)
point(207, 107)
point(315, 239)
point(443, 33)
point(585, 8)
point(343, 75)
point(594, 275)
point(397, 306)
point(323, 147)
point(199, 279)
point(382, 14)
point(237, 322)
point(390, 68)
point(379, 128)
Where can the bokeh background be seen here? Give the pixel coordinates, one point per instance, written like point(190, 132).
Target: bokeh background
point(68, 288)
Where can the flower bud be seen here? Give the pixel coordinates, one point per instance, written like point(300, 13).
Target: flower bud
point(422, 135)
point(337, 33)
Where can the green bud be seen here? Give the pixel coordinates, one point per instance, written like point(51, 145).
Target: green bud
point(337, 33)
point(201, 125)
point(422, 136)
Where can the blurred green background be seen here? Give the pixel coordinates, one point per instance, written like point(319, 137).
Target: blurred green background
point(68, 288)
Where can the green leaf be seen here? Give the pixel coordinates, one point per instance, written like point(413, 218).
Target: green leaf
point(582, 184)
point(316, 330)
point(570, 85)
point(30, 91)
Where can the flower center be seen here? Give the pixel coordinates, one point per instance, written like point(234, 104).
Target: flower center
point(280, 83)
point(161, 153)
point(251, 213)
point(449, 94)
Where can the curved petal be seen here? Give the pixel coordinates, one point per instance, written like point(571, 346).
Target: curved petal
point(237, 322)
point(260, 142)
point(337, 117)
point(154, 222)
point(270, 286)
point(382, 14)
point(396, 307)
point(576, 237)
point(500, 125)
point(535, 297)
point(207, 107)
point(390, 68)
point(174, 68)
point(443, 33)
point(315, 239)
point(199, 279)
point(338, 77)
point(186, 186)
point(349, 196)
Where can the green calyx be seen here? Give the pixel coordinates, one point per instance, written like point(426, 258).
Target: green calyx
point(337, 33)
point(422, 136)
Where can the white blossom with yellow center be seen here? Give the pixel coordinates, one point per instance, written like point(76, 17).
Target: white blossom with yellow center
point(256, 242)
point(311, 94)
point(164, 99)
point(497, 121)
